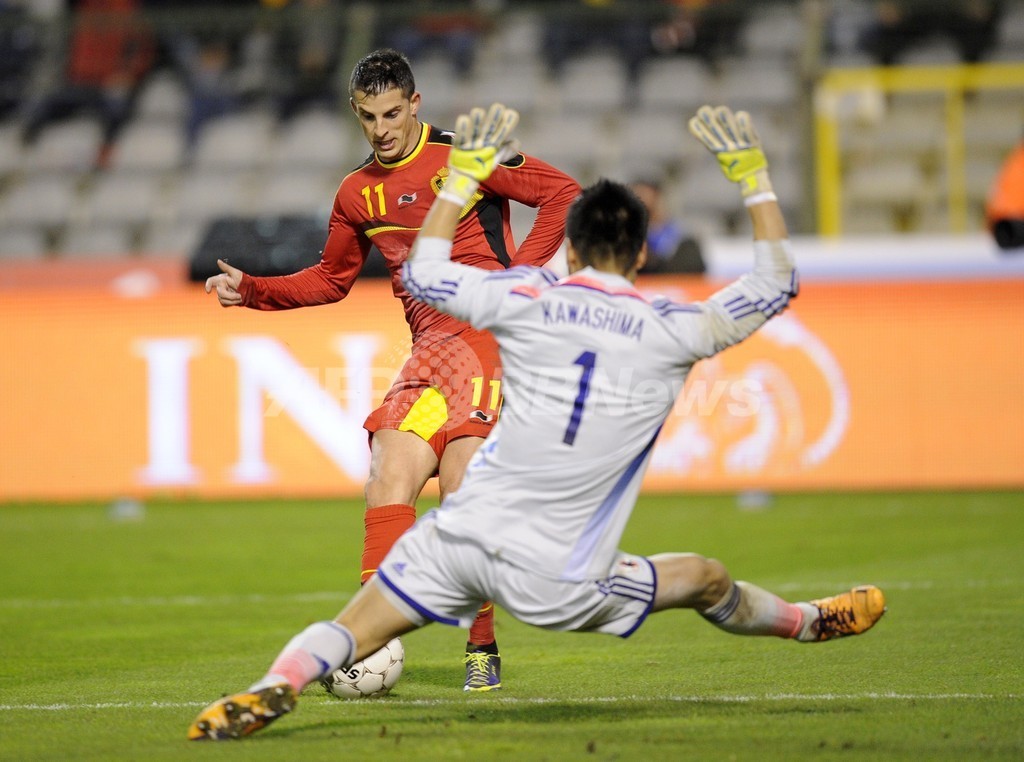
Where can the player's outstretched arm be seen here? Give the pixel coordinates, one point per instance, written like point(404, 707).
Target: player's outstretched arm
point(226, 285)
point(732, 139)
point(736, 311)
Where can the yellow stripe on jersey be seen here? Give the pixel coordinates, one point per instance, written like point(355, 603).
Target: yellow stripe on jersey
point(427, 415)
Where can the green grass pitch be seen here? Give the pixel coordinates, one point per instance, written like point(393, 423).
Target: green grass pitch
point(114, 633)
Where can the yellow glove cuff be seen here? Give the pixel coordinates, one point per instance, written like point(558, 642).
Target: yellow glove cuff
point(458, 188)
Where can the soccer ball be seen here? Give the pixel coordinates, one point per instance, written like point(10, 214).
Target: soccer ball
point(373, 676)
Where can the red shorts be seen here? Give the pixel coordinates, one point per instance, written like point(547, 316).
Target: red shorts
point(450, 387)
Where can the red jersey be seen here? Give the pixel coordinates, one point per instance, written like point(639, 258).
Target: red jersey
point(384, 204)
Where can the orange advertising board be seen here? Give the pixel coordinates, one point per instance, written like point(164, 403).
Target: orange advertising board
point(148, 391)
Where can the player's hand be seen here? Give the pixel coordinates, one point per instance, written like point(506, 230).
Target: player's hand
point(482, 141)
point(737, 146)
point(226, 285)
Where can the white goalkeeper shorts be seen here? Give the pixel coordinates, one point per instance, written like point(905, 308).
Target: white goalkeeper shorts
point(431, 576)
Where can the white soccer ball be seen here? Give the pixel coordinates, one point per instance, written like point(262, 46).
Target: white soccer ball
point(373, 676)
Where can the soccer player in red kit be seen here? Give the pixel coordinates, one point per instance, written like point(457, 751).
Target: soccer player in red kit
point(446, 398)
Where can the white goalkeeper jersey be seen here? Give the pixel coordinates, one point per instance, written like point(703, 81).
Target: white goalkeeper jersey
point(590, 371)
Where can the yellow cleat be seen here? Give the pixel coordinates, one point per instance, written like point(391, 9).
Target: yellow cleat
point(244, 713)
point(849, 613)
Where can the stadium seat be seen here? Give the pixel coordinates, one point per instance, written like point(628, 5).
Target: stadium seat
point(869, 220)
point(595, 82)
point(22, 243)
point(175, 239)
point(888, 182)
point(752, 82)
point(67, 146)
point(520, 85)
point(979, 175)
point(705, 190)
point(10, 149)
point(580, 147)
point(660, 143)
point(517, 39)
point(40, 199)
point(203, 194)
point(96, 240)
point(675, 84)
point(297, 191)
point(236, 141)
point(444, 96)
point(776, 30)
point(995, 125)
point(123, 197)
point(913, 125)
point(317, 138)
point(933, 52)
point(149, 145)
point(267, 245)
point(163, 97)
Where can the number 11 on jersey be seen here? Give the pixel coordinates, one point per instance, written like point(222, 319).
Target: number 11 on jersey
point(585, 361)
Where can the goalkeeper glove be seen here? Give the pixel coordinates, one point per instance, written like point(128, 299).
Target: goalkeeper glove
point(737, 146)
point(482, 141)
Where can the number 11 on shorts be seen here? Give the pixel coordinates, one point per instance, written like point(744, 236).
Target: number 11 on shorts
point(585, 361)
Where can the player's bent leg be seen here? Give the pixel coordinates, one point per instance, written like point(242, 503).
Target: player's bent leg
point(750, 610)
point(454, 461)
point(318, 650)
point(482, 659)
point(373, 622)
point(688, 581)
point(362, 628)
point(400, 464)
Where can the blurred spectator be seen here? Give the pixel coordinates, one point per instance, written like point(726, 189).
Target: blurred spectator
point(574, 27)
point(207, 63)
point(109, 53)
point(19, 46)
point(308, 52)
point(221, 50)
point(418, 26)
point(708, 29)
point(899, 25)
point(1004, 207)
point(671, 247)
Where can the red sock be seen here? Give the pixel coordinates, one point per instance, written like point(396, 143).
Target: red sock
point(384, 525)
point(482, 631)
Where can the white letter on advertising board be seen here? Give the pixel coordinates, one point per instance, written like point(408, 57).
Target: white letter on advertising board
point(267, 367)
point(168, 414)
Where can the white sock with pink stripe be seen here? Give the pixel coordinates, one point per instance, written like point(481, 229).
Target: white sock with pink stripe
point(315, 652)
point(749, 610)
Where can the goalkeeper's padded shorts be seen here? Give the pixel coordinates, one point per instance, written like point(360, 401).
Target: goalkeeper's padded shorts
point(430, 575)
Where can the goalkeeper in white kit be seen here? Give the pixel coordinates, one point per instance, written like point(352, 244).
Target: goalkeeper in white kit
point(591, 370)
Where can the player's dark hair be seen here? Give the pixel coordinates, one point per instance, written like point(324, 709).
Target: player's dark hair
point(380, 71)
point(608, 222)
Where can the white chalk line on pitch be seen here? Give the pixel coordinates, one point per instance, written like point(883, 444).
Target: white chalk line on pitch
point(513, 701)
point(342, 597)
point(174, 600)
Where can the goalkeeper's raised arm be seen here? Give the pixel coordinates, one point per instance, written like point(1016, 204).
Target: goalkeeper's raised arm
point(736, 311)
point(483, 139)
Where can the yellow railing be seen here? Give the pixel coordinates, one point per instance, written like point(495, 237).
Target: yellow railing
point(951, 81)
